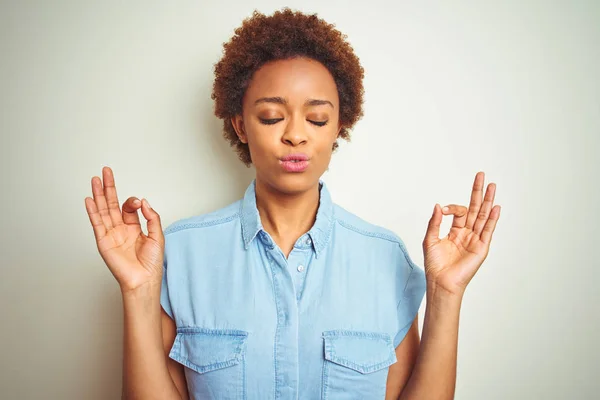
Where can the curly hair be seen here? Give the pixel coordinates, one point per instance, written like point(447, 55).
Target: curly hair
point(284, 35)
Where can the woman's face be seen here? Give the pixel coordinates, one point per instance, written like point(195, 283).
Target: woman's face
point(290, 121)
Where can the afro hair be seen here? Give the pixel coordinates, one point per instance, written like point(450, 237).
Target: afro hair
point(284, 35)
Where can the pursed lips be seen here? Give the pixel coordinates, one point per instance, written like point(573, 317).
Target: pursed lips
point(296, 162)
point(297, 157)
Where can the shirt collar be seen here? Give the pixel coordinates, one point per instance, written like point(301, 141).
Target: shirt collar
point(319, 233)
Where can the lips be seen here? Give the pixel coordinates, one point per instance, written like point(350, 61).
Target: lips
point(296, 162)
point(295, 157)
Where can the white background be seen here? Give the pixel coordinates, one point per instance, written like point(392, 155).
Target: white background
point(511, 88)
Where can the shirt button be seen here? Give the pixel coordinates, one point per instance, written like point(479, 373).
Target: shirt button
point(300, 268)
point(308, 241)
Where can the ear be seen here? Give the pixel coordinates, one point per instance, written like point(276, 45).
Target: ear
point(340, 127)
point(238, 126)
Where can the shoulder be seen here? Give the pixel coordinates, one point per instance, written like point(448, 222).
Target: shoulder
point(371, 233)
point(352, 222)
point(215, 219)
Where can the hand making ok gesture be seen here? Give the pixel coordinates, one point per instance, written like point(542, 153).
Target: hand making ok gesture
point(134, 258)
point(452, 261)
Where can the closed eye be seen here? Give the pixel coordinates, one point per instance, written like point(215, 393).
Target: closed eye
point(276, 120)
point(270, 121)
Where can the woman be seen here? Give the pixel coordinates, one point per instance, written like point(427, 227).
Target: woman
point(284, 294)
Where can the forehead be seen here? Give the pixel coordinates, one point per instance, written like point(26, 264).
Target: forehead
point(295, 79)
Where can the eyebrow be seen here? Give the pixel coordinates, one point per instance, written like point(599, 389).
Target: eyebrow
point(281, 100)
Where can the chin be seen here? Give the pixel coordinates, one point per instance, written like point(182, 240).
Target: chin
point(293, 182)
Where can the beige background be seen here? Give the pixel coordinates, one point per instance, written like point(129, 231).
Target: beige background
point(508, 87)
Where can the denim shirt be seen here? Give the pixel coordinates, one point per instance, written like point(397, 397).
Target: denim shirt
point(321, 324)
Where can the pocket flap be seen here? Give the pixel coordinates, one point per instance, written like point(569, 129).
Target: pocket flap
point(204, 350)
point(361, 351)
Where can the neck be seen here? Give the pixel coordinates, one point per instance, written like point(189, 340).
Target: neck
point(286, 216)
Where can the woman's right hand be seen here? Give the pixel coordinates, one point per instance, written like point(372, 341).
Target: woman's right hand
point(134, 259)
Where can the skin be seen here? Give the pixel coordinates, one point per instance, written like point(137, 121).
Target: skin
point(283, 108)
point(135, 260)
point(288, 203)
point(450, 264)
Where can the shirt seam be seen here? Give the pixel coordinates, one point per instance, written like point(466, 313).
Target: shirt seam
point(203, 224)
point(379, 235)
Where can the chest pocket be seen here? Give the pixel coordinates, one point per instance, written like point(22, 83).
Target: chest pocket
point(215, 361)
point(356, 364)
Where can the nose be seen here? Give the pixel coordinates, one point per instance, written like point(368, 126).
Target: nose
point(295, 132)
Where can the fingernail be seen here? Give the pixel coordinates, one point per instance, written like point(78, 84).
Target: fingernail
point(136, 202)
point(445, 209)
point(147, 204)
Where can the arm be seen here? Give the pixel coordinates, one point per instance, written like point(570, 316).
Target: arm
point(136, 261)
point(169, 332)
point(145, 371)
point(406, 354)
point(434, 374)
point(450, 264)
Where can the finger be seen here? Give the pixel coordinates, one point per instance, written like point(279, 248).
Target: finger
point(476, 199)
point(459, 212)
point(484, 212)
point(433, 228)
point(95, 218)
point(490, 225)
point(130, 211)
point(112, 201)
point(154, 225)
point(100, 200)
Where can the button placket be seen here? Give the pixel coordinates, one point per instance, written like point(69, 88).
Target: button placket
point(299, 263)
point(286, 345)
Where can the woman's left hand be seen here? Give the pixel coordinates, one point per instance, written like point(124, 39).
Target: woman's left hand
point(451, 262)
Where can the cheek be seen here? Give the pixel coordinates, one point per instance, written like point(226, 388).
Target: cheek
point(260, 141)
point(326, 144)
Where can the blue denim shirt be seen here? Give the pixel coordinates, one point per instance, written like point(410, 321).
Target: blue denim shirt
point(321, 324)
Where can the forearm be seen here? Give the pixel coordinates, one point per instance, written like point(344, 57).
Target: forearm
point(145, 372)
point(434, 374)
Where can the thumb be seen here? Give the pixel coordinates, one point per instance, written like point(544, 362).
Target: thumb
point(154, 225)
point(433, 229)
